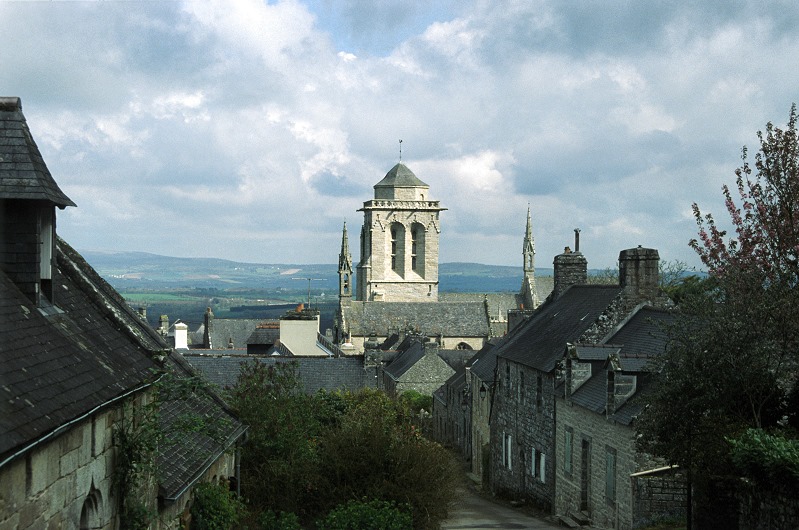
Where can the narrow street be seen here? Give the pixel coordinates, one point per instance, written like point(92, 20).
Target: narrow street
point(473, 510)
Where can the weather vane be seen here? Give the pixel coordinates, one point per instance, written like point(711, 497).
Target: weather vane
point(400, 150)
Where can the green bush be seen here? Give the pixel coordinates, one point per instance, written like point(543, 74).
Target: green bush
point(766, 458)
point(417, 401)
point(215, 507)
point(270, 520)
point(367, 515)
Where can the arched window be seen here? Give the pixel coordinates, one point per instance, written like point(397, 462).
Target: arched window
point(397, 248)
point(463, 346)
point(417, 248)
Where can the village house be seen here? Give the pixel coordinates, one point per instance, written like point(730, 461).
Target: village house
point(599, 475)
point(528, 368)
point(75, 364)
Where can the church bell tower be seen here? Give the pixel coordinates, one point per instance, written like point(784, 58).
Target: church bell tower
point(399, 241)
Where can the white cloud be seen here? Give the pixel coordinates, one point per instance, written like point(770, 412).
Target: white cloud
point(247, 121)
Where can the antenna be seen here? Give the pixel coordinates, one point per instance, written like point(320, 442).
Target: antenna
point(309, 286)
point(400, 150)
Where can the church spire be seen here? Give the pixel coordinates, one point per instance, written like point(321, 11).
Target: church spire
point(528, 291)
point(345, 269)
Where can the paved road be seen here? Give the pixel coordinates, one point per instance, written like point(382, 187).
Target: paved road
point(472, 511)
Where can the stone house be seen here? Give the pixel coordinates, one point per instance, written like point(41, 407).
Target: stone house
point(420, 364)
point(480, 390)
point(599, 475)
point(529, 366)
point(75, 362)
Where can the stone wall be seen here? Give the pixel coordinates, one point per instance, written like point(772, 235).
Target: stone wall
point(775, 506)
point(51, 486)
point(527, 415)
point(657, 496)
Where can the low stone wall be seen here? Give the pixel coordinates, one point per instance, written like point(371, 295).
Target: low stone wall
point(776, 506)
point(658, 495)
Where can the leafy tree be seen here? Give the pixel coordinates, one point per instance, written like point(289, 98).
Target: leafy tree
point(731, 362)
point(279, 457)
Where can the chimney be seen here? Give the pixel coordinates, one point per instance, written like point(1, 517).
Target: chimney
point(208, 321)
point(143, 312)
point(431, 347)
point(571, 268)
point(163, 325)
point(181, 336)
point(639, 274)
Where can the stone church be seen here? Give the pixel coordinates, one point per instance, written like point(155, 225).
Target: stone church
point(396, 280)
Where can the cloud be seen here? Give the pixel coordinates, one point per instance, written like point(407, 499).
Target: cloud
point(250, 130)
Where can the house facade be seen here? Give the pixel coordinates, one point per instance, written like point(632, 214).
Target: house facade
point(600, 476)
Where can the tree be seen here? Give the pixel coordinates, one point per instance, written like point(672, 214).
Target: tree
point(732, 357)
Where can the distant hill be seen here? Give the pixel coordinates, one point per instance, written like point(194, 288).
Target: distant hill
point(141, 270)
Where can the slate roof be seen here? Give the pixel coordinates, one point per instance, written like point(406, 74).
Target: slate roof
point(238, 329)
point(452, 319)
point(484, 363)
point(263, 335)
point(316, 373)
point(58, 368)
point(400, 176)
point(406, 358)
point(636, 342)
point(539, 342)
point(181, 464)
point(23, 173)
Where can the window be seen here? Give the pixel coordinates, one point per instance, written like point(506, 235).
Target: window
point(520, 395)
point(507, 379)
point(507, 450)
point(610, 475)
point(417, 248)
point(538, 465)
point(397, 248)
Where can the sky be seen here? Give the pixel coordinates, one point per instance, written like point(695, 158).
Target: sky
point(253, 130)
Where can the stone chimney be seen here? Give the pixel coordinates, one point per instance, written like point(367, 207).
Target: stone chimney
point(571, 268)
point(431, 347)
point(208, 321)
point(163, 325)
point(639, 274)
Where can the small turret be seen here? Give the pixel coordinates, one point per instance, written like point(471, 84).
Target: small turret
point(345, 270)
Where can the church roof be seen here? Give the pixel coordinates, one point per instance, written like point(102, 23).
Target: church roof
point(452, 319)
point(400, 176)
point(23, 173)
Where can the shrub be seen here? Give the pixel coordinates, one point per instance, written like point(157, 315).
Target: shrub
point(367, 515)
point(270, 520)
point(215, 507)
point(766, 457)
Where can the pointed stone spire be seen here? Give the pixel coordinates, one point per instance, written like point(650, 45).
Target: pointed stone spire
point(345, 270)
point(528, 292)
point(529, 246)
